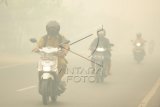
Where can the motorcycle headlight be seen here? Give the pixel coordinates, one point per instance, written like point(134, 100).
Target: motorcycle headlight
point(100, 49)
point(138, 44)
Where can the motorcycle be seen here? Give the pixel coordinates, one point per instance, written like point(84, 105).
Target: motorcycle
point(139, 52)
point(100, 66)
point(48, 73)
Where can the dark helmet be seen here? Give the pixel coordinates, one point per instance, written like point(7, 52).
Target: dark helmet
point(53, 28)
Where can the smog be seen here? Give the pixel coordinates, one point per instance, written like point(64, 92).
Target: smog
point(127, 74)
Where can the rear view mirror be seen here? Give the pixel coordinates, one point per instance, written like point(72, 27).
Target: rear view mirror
point(33, 40)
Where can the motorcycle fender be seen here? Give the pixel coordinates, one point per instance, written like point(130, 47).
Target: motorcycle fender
point(47, 76)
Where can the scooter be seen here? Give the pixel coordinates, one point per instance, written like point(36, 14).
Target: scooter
point(100, 65)
point(139, 52)
point(48, 73)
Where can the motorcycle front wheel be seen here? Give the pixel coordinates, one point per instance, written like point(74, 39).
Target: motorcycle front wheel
point(45, 91)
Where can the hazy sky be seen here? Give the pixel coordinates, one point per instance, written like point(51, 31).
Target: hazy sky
point(122, 19)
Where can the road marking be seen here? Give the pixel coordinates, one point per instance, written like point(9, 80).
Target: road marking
point(151, 93)
point(10, 66)
point(27, 88)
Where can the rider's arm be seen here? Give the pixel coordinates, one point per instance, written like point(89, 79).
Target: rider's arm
point(93, 45)
point(66, 49)
point(66, 46)
point(39, 45)
point(108, 44)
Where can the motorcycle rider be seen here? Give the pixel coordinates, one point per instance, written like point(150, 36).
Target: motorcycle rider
point(139, 39)
point(102, 41)
point(53, 38)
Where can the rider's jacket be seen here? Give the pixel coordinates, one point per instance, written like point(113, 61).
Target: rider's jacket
point(54, 41)
point(101, 42)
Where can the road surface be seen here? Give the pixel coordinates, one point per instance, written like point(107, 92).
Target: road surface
point(126, 87)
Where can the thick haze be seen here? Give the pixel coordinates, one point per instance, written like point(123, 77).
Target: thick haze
point(122, 19)
point(128, 83)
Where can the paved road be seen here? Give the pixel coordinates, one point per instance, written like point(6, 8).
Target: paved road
point(155, 101)
point(126, 87)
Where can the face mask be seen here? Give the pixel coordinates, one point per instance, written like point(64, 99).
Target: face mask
point(52, 32)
